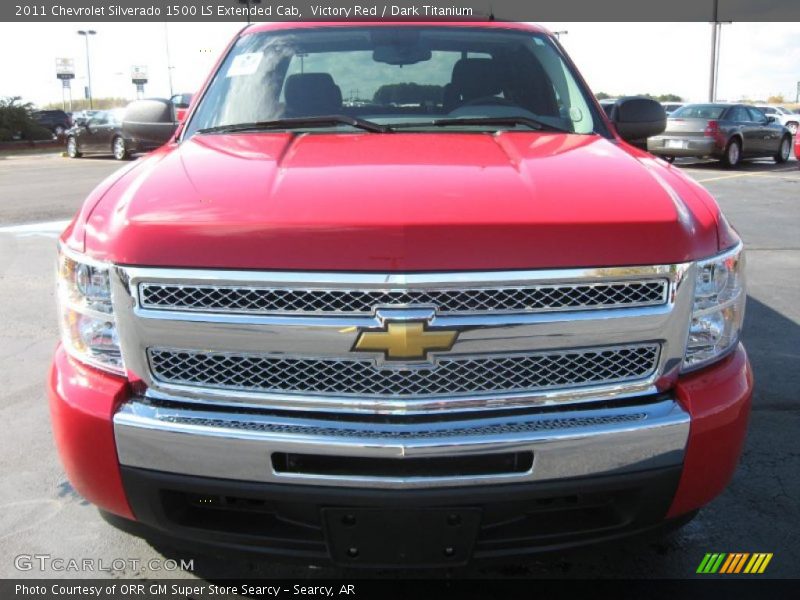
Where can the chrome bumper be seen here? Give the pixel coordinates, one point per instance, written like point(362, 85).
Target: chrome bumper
point(238, 446)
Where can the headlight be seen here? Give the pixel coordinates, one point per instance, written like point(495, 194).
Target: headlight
point(88, 327)
point(719, 299)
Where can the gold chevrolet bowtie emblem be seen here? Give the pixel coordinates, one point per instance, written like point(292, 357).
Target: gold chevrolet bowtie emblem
point(405, 340)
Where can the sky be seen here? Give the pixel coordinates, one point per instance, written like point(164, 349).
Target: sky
point(757, 59)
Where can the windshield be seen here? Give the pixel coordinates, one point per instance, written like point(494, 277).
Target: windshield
point(699, 111)
point(398, 76)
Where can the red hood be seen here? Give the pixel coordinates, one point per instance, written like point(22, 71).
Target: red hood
point(400, 202)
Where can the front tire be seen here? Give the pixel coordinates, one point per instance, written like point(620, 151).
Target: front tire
point(72, 147)
point(733, 154)
point(118, 149)
point(785, 150)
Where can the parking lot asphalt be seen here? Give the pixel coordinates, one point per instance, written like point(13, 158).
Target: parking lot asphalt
point(40, 513)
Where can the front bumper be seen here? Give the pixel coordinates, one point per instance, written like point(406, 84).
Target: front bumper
point(648, 459)
point(531, 446)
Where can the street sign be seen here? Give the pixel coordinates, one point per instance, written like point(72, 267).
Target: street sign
point(139, 74)
point(65, 68)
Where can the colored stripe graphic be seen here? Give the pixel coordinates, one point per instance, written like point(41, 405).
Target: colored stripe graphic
point(734, 563)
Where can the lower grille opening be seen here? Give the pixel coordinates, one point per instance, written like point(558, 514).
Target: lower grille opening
point(550, 516)
point(237, 515)
point(446, 466)
point(288, 519)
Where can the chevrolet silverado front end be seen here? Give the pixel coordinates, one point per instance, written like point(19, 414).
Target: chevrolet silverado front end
point(413, 329)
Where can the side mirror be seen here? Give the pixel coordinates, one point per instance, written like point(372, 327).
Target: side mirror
point(151, 121)
point(638, 118)
point(771, 119)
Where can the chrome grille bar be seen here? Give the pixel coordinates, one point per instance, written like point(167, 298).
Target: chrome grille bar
point(284, 300)
point(448, 377)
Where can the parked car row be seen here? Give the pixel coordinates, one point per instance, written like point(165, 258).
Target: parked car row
point(140, 127)
point(729, 132)
point(59, 121)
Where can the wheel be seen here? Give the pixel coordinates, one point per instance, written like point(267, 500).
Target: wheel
point(733, 154)
point(118, 148)
point(72, 147)
point(792, 127)
point(785, 150)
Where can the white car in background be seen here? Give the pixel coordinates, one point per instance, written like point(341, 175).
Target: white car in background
point(783, 115)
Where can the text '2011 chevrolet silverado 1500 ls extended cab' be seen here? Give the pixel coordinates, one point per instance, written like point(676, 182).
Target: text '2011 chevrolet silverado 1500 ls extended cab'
point(400, 294)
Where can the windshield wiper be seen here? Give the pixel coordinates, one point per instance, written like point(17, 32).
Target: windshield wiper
point(469, 121)
point(300, 123)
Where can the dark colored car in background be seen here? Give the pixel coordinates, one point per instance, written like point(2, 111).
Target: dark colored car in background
point(100, 134)
point(56, 121)
point(729, 132)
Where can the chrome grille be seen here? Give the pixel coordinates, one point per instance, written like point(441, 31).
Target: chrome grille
point(538, 298)
point(451, 376)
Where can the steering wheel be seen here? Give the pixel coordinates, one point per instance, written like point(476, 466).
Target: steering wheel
point(489, 101)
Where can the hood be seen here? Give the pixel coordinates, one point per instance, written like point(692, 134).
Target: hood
point(398, 202)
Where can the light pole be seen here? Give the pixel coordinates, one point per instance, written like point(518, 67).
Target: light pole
point(716, 39)
point(86, 34)
point(558, 34)
point(169, 61)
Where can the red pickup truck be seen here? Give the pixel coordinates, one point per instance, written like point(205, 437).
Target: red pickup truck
point(400, 294)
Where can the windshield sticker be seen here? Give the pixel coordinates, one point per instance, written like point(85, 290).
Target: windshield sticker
point(244, 64)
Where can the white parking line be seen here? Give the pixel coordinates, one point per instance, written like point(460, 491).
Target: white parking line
point(51, 229)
